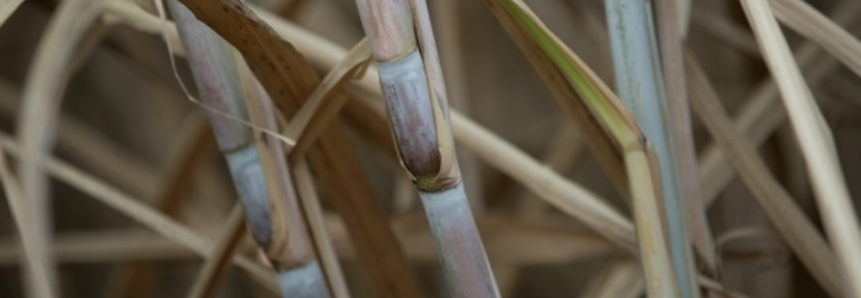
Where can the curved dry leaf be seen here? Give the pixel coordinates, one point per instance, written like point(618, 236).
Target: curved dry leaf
point(323, 104)
point(46, 80)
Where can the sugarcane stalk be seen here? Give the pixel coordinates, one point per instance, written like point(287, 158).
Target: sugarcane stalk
point(670, 28)
point(412, 85)
point(638, 77)
point(266, 190)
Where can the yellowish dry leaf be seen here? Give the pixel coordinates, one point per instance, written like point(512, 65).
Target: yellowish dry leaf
point(815, 141)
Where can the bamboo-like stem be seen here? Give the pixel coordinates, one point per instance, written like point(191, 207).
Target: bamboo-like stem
point(318, 50)
point(632, 39)
point(271, 207)
point(816, 143)
point(461, 252)
point(569, 197)
point(681, 134)
point(289, 79)
point(416, 98)
point(218, 83)
point(389, 27)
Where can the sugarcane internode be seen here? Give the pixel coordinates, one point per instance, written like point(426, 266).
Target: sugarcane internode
point(423, 138)
point(413, 119)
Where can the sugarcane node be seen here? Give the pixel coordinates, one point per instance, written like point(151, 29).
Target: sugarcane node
point(389, 27)
point(290, 256)
point(289, 246)
point(247, 173)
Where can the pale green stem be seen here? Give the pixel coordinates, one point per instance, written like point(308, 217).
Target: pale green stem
point(637, 76)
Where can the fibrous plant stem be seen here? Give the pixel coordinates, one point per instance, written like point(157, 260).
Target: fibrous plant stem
point(265, 188)
point(415, 95)
point(632, 40)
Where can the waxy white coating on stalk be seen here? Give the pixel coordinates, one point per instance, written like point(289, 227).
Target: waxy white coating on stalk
point(218, 86)
point(467, 271)
point(248, 177)
point(304, 282)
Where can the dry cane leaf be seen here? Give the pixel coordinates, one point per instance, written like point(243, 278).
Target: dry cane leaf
point(46, 80)
point(810, 23)
point(324, 103)
point(797, 230)
point(816, 143)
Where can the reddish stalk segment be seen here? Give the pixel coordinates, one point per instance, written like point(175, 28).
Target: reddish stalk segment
point(419, 121)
